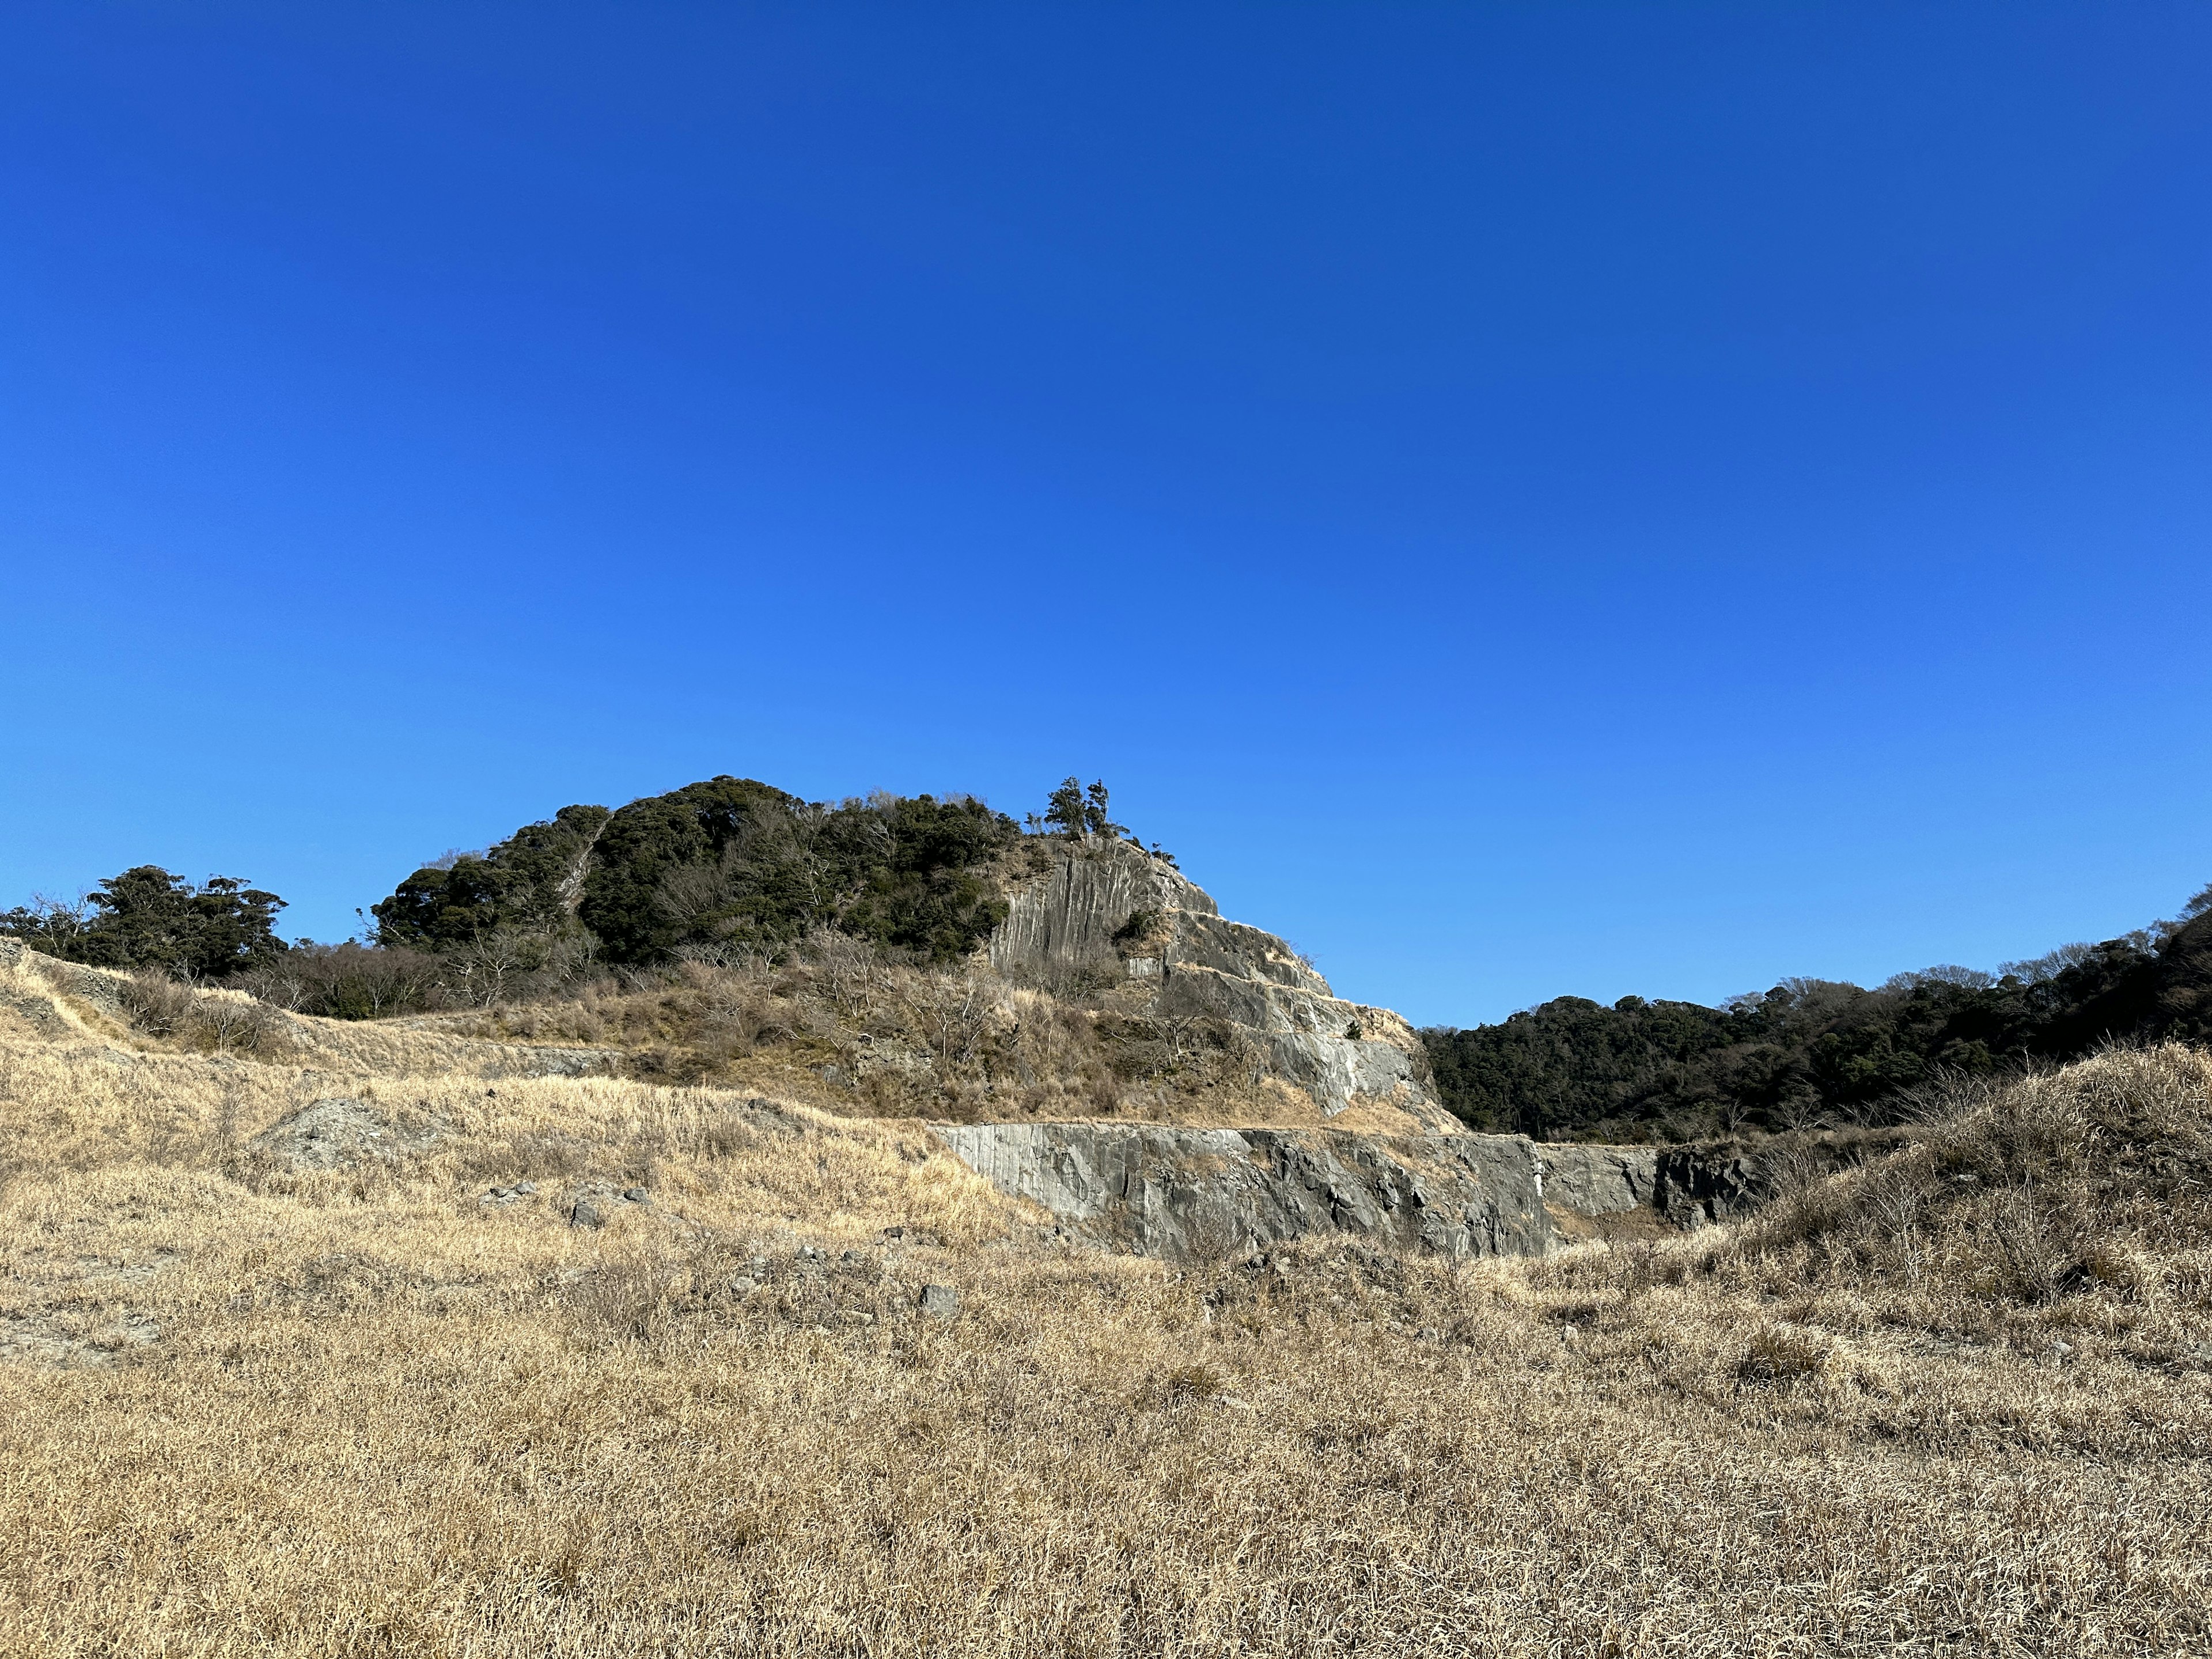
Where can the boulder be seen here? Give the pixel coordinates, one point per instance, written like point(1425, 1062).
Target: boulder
point(938, 1301)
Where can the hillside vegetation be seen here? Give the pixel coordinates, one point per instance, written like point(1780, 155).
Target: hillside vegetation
point(1817, 1052)
point(383, 1349)
point(730, 932)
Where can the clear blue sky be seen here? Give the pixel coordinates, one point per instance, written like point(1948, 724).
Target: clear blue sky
point(1522, 500)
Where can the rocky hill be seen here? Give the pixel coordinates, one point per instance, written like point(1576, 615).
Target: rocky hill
point(1105, 913)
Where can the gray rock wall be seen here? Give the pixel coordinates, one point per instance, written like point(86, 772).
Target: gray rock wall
point(1191, 1193)
point(1599, 1180)
point(1184, 1193)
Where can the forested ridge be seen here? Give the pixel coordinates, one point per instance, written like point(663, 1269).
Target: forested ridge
point(725, 868)
point(1817, 1052)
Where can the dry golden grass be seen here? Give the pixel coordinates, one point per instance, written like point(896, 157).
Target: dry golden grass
point(249, 1410)
point(837, 1026)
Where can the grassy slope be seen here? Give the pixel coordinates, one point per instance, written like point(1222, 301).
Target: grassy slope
point(382, 1418)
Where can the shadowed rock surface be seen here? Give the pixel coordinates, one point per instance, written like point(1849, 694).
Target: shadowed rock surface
point(1725, 1181)
point(1109, 912)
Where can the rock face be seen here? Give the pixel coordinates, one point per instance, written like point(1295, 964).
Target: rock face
point(1110, 912)
point(1598, 1181)
point(1699, 1184)
point(1191, 1193)
point(1179, 1193)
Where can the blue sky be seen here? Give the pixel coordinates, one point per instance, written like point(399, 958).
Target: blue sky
point(1522, 500)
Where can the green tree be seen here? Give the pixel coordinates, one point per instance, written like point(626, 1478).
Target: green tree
point(529, 882)
point(1066, 809)
point(1809, 1050)
point(1095, 818)
point(147, 918)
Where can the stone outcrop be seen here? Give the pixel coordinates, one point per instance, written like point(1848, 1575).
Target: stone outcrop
point(1109, 912)
point(1179, 1193)
point(335, 1133)
point(1188, 1192)
point(1715, 1182)
point(1598, 1181)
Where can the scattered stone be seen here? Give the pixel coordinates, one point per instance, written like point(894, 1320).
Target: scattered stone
point(938, 1301)
point(636, 1196)
point(524, 1188)
point(742, 1286)
point(586, 1214)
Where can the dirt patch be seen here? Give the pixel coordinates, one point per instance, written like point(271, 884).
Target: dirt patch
point(337, 1133)
point(49, 1341)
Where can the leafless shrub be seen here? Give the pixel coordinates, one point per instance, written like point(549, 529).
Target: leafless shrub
point(154, 1003)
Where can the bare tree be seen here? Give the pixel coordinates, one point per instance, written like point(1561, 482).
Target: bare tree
point(487, 962)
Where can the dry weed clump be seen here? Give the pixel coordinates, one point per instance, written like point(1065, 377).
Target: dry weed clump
point(403, 1406)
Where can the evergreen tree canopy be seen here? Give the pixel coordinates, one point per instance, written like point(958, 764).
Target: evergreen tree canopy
point(1809, 1048)
point(728, 863)
point(530, 881)
point(147, 918)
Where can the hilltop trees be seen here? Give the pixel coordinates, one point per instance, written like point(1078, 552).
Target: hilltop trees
point(1074, 811)
point(527, 882)
point(147, 918)
point(733, 864)
point(729, 864)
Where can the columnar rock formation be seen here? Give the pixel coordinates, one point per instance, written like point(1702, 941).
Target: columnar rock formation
point(1110, 911)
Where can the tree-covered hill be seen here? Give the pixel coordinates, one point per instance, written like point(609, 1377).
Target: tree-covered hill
point(727, 863)
point(1809, 1050)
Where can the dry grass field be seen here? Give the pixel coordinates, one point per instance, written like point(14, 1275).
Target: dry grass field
point(1957, 1403)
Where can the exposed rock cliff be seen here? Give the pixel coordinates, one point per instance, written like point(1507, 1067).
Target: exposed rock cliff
point(1108, 911)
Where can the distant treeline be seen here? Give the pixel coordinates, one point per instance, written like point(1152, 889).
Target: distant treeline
point(1813, 1051)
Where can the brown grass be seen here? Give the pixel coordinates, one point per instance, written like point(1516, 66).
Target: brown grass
point(245, 1409)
